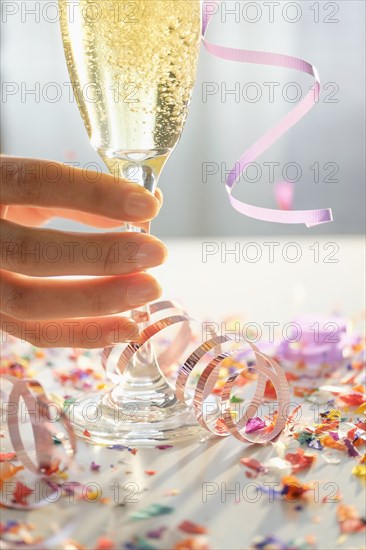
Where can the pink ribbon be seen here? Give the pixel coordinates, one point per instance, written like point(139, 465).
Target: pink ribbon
point(209, 356)
point(309, 217)
point(39, 408)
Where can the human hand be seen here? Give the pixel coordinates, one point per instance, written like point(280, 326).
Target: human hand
point(51, 312)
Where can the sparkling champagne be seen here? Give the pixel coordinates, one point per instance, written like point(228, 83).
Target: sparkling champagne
point(132, 66)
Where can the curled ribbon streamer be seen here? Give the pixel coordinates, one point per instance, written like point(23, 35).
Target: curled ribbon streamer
point(204, 388)
point(38, 406)
point(208, 378)
point(168, 356)
point(309, 217)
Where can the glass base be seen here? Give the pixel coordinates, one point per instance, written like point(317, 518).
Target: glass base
point(99, 420)
point(142, 408)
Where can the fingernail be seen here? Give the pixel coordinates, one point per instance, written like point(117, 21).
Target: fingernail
point(140, 205)
point(142, 292)
point(151, 254)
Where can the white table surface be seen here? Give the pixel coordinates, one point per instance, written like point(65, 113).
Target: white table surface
point(257, 292)
point(266, 291)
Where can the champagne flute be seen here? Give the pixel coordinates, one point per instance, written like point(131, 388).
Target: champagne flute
point(132, 65)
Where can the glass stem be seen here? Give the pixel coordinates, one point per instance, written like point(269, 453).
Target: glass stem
point(142, 380)
point(140, 367)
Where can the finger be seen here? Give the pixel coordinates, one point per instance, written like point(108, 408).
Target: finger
point(146, 225)
point(78, 333)
point(33, 217)
point(36, 216)
point(28, 298)
point(51, 184)
point(159, 196)
point(47, 252)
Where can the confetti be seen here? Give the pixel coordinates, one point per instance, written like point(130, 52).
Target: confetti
point(21, 493)
point(300, 460)
point(105, 543)
point(152, 511)
point(315, 444)
point(5, 457)
point(271, 542)
point(353, 399)
point(7, 471)
point(192, 528)
point(117, 447)
point(293, 489)
point(328, 441)
point(80, 378)
point(351, 449)
point(235, 399)
point(191, 544)
point(220, 426)
point(254, 464)
point(156, 533)
point(18, 533)
point(139, 543)
point(254, 424)
point(361, 409)
point(349, 519)
point(359, 470)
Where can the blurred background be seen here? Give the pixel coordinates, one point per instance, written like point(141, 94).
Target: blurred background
point(324, 153)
